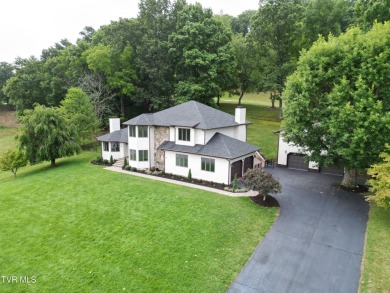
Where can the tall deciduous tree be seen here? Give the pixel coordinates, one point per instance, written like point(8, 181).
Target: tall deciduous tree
point(202, 54)
point(338, 100)
point(369, 11)
point(78, 109)
point(24, 89)
point(47, 135)
point(6, 72)
point(277, 28)
point(380, 182)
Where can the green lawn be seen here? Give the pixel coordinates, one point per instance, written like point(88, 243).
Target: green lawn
point(80, 228)
point(264, 121)
point(376, 263)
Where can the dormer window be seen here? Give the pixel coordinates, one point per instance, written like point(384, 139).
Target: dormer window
point(184, 134)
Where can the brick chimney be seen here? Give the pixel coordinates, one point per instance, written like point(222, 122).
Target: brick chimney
point(115, 124)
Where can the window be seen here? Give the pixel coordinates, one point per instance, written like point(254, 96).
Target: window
point(132, 131)
point(115, 146)
point(181, 160)
point(133, 155)
point(208, 164)
point(184, 134)
point(105, 146)
point(143, 156)
point(142, 131)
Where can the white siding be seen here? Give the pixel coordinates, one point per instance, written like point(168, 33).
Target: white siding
point(172, 132)
point(220, 175)
point(115, 155)
point(141, 143)
point(228, 131)
point(287, 148)
point(200, 136)
point(192, 137)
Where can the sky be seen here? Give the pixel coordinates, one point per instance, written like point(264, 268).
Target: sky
point(29, 26)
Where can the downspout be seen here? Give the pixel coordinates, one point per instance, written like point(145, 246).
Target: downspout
point(150, 155)
point(229, 173)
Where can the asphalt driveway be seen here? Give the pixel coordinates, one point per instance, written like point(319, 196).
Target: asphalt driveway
point(315, 245)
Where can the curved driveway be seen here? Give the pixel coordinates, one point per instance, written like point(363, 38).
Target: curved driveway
point(315, 245)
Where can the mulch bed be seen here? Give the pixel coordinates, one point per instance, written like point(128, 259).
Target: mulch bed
point(269, 201)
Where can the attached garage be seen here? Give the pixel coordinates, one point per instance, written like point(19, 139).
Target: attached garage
point(248, 163)
point(236, 169)
point(297, 161)
point(333, 170)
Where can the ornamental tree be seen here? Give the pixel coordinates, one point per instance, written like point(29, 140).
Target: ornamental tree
point(380, 182)
point(12, 160)
point(261, 181)
point(47, 135)
point(337, 101)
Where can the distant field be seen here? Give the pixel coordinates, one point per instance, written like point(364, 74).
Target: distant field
point(264, 120)
point(8, 129)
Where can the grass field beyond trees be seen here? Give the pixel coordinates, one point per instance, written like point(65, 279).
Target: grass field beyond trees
point(264, 120)
point(80, 228)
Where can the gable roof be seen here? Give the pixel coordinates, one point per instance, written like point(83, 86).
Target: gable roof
point(118, 135)
point(188, 114)
point(220, 145)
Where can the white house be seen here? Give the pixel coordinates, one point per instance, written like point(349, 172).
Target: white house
point(294, 157)
point(188, 136)
point(114, 143)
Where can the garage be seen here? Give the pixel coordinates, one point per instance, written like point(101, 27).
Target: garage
point(236, 168)
point(248, 163)
point(333, 170)
point(297, 162)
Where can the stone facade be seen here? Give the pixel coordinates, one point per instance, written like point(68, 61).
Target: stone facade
point(161, 134)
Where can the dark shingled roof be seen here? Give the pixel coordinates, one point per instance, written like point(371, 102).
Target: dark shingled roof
point(189, 114)
point(219, 145)
point(118, 135)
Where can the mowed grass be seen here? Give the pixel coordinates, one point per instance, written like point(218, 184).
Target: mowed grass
point(264, 120)
point(80, 228)
point(376, 263)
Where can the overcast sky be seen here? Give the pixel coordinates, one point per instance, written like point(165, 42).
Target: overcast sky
point(29, 26)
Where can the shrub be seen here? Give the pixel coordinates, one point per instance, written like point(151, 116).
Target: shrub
point(99, 159)
point(133, 169)
point(261, 181)
point(106, 162)
point(125, 163)
point(128, 168)
point(235, 183)
point(189, 175)
point(111, 160)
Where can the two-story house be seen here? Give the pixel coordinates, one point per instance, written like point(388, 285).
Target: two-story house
point(188, 136)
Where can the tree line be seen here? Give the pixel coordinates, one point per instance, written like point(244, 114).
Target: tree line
point(174, 52)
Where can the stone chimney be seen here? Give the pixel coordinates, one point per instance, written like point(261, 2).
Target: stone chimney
point(115, 124)
point(240, 116)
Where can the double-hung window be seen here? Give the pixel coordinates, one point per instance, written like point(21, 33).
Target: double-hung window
point(132, 131)
point(208, 165)
point(181, 160)
point(105, 146)
point(184, 134)
point(133, 155)
point(143, 155)
point(142, 131)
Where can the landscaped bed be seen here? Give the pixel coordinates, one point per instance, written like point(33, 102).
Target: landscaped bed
point(77, 228)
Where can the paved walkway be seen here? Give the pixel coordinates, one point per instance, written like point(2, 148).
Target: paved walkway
point(315, 245)
point(119, 169)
